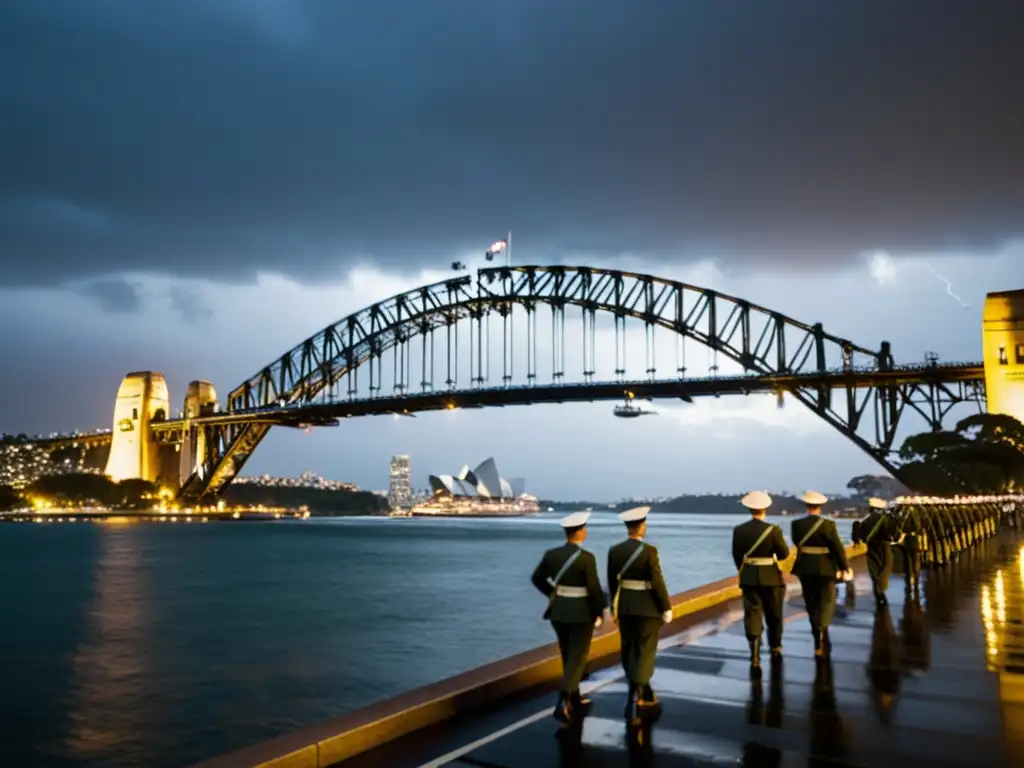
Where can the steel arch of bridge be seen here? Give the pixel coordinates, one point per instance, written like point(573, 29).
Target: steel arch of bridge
point(758, 339)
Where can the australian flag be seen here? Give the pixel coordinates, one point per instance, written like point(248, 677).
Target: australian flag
point(496, 248)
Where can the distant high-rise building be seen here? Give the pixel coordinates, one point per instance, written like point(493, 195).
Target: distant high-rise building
point(400, 483)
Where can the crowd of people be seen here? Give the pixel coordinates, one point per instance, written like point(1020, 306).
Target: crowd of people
point(916, 532)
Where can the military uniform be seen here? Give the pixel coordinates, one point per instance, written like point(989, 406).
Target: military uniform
point(911, 545)
point(567, 576)
point(757, 548)
point(879, 532)
point(640, 605)
point(820, 555)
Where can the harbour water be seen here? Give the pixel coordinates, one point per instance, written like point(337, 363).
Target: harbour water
point(159, 645)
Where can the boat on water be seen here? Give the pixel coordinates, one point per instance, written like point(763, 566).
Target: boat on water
point(400, 513)
point(456, 506)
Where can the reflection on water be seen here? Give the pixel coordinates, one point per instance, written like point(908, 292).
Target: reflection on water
point(1002, 614)
point(884, 665)
point(108, 668)
point(916, 642)
point(827, 737)
point(767, 714)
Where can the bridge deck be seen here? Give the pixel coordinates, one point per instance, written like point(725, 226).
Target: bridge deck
point(948, 708)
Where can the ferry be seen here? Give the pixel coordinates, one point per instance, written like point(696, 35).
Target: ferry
point(463, 506)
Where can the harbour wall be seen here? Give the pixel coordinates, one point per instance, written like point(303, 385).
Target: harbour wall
point(473, 692)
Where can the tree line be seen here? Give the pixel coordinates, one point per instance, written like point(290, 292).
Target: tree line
point(81, 489)
point(87, 489)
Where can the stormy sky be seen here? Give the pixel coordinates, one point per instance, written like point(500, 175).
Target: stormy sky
point(194, 187)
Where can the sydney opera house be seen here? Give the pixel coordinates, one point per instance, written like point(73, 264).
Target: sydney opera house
point(478, 492)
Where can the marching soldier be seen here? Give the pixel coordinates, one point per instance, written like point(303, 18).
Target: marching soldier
point(640, 606)
point(878, 531)
point(820, 559)
point(912, 544)
point(567, 576)
point(757, 548)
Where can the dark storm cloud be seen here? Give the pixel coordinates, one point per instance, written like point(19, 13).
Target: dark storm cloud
point(220, 139)
point(118, 296)
point(189, 305)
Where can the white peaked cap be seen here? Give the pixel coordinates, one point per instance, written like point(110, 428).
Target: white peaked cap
point(756, 500)
point(634, 515)
point(575, 520)
point(876, 503)
point(814, 498)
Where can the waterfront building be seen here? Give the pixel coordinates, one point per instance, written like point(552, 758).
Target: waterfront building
point(22, 463)
point(400, 483)
point(481, 491)
point(306, 480)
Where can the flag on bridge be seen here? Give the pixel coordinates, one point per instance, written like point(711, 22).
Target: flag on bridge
point(496, 247)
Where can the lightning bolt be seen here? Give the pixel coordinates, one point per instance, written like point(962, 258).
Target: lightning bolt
point(949, 286)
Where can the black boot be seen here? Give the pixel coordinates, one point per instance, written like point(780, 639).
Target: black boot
point(631, 695)
point(755, 657)
point(580, 703)
point(776, 656)
point(647, 703)
point(563, 708)
point(646, 697)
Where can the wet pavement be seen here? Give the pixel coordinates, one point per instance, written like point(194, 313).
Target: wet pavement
point(919, 681)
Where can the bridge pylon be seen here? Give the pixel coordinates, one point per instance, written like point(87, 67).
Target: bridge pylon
point(142, 399)
point(200, 400)
point(1003, 350)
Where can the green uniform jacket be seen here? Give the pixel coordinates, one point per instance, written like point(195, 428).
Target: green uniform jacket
point(582, 573)
point(647, 567)
point(744, 536)
point(885, 531)
point(826, 536)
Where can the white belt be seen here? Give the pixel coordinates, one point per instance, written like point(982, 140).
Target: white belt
point(634, 585)
point(759, 561)
point(561, 591)
point(814, 550)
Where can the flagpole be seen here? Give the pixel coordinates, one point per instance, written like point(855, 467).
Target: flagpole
point(508, 250)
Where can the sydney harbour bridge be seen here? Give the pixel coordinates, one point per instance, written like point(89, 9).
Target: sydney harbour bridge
point(521, 335)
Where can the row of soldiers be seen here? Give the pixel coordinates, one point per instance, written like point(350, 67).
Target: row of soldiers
point(921, 531)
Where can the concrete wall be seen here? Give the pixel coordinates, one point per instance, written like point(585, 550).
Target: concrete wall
point(329, 743)
point(1003, 350)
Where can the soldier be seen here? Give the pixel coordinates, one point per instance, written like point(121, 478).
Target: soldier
point(912, 543)
point(878, 531)
point(567, 575)
point(757, 548)
point(640, 606)
point(820, 559)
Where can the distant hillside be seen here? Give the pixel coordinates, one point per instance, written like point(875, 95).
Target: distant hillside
point(708, 504)
point(320, 502)
point(699, 504)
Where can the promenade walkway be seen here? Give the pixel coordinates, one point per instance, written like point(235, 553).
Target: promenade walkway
point(930, 681)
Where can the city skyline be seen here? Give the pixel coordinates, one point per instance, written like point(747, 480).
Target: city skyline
point(183, 214)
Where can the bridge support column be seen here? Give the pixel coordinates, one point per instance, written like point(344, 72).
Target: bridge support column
point(200, 400)
point(1003, 350)
point(141, 399)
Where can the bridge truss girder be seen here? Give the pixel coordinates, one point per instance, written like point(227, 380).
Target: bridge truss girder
point(760, 340)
